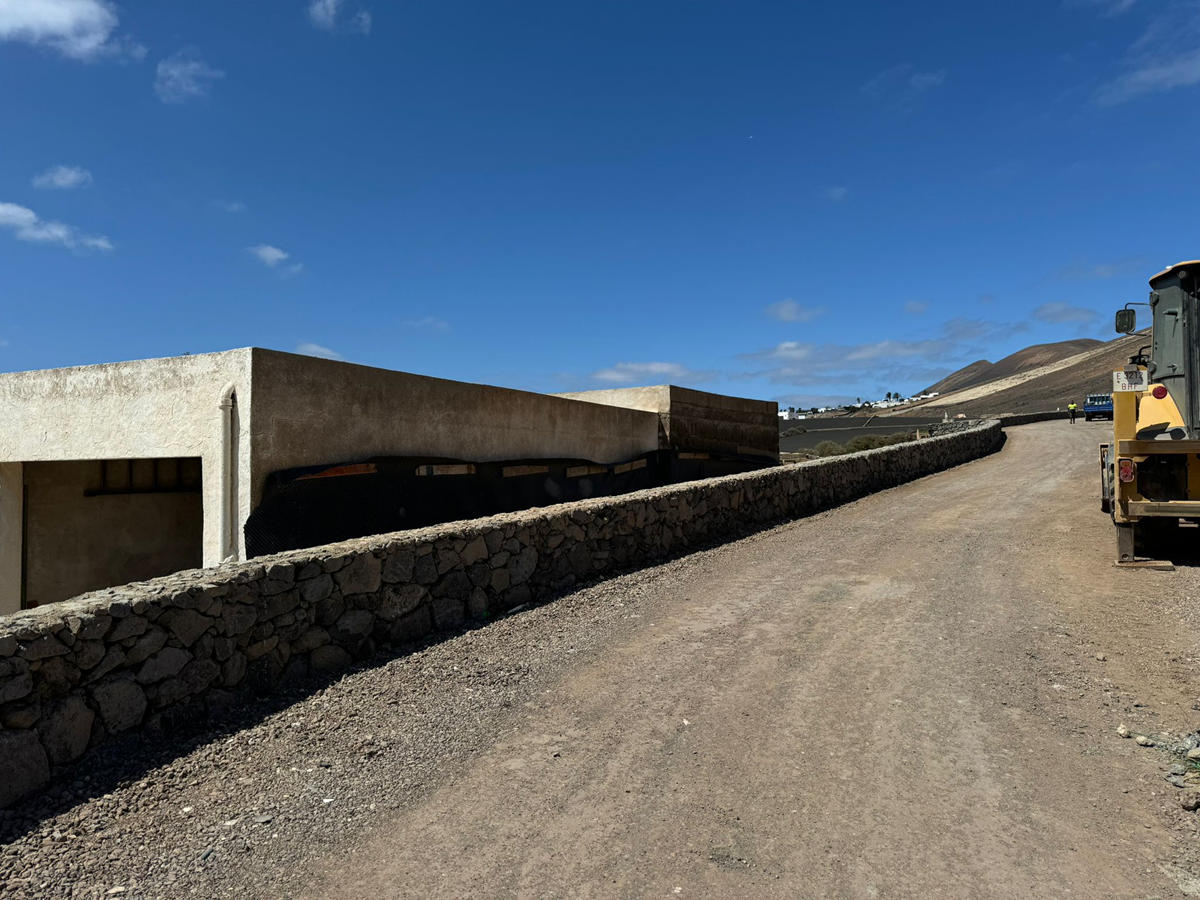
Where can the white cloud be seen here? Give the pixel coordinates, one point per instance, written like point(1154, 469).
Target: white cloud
point(323, 13)
point(807, 401)
point(1059, 313)
point(184, 76)
point(327, 15)
point(229, 206)
point(1103, 7)
point(309, 349)
point(892, 349)
point(26, 226)
point(1164, 58)
point(268, 255)
point(788, 351)
point(271, 257)
point(432, 322)
point(923, 81)
point(903, 84)
point(836, 194)
point(63, 177)
point(1090, 272)
point(791, 311)
point(77, 29)
point(1173, 70)
point(916, 307)
point(891, 360)
point(651, 372)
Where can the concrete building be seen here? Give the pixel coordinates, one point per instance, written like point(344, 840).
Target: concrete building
point(126, 471)
point(698, 421)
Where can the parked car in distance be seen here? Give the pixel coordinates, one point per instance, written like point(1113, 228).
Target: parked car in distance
point(1097, 406)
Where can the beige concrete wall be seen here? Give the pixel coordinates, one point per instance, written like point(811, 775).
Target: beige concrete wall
point(11, 500)
point(309, 411)
point(700, 421)
point(292, 411)
point(704, 421)
point(75, 543)
point(654, 398)
point(131, 410)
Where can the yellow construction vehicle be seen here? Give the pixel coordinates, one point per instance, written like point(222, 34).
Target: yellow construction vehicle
point(1150, 471)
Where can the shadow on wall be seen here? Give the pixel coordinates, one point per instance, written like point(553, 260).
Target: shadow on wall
point(183, 729)
point(316, 505)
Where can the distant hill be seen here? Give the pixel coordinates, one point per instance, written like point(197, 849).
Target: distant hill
point(1049, 386)
point(964, 377)
point(982, 371)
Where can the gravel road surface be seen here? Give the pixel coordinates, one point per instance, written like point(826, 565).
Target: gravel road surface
point(915, 695)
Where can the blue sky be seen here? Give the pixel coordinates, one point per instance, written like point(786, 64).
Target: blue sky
point(788, 200)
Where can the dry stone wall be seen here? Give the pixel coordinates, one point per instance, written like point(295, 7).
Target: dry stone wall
point(154, 654)
point(1030, 418)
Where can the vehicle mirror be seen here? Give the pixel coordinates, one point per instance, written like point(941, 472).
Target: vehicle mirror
point(1126, 321)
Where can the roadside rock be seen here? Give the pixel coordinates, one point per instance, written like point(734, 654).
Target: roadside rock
point(147, 645)
point(121, 702)
point(44, 647)
point(26, 768)
point(186, 624)
point(329, 658)
point(65, 729)
point(195, 677)
point(163, 664)
point(15, 680)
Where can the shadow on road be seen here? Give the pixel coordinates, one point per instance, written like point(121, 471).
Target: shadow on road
point(178, 732)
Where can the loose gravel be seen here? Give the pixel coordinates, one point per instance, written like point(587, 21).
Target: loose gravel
point(244, 811)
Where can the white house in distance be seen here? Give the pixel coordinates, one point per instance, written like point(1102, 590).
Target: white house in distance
point(125, 471)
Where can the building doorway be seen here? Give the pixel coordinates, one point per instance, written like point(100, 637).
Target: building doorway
point(94, 524)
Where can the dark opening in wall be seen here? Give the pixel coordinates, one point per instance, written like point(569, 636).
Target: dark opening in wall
point(91, 524)
point(317, 505)
point(147, 476)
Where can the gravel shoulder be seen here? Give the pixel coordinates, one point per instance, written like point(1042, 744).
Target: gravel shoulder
point(913, 695)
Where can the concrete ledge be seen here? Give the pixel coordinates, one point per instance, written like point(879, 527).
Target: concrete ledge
point(179, 649)
point(1030, 418)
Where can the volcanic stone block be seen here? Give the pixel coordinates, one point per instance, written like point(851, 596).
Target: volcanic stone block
point(121, 703)
point(26, 767)
point(65, 729)
point(163, 664)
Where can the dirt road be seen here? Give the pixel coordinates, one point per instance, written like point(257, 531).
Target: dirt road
point(912, 696)
point(915, 695)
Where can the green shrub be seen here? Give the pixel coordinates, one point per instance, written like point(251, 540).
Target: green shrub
point(862, 442)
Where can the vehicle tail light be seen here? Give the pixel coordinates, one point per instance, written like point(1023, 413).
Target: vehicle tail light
point(1126, 470)
point(1159, 392)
